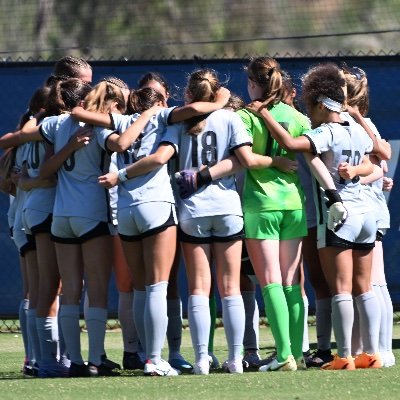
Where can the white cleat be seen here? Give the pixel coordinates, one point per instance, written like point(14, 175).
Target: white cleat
point(162, 368)
point(201, 367)
point(233, 366)
point(275, 365)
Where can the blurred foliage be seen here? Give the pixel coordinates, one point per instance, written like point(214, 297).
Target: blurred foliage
point(165, 29)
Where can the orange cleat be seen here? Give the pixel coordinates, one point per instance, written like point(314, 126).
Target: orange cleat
point(365, 360)
point(340, 363)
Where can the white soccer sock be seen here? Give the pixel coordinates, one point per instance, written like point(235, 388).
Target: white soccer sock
point(155, 320)
point(389, 316)
point(234, 320)
point(96, 319)
point(306, 342)
point(383, 336)
point(22, 315)
point(199, 324)
point(69, 319)
point(370, 317)
point(47, 329)
point(342, 321)
point(33, 339)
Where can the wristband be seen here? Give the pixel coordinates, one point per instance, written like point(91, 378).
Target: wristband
point(122, 175)
point(333, 197)
point(204, 177)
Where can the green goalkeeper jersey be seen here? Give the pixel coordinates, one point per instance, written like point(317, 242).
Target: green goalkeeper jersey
point(268, 188)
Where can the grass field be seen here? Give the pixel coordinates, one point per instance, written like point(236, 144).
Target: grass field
point(308, 385)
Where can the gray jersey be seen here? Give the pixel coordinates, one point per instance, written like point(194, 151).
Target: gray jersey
point(40, 199)
point(373, 190)
point(155, 185)
point(78, 193)
point(113, 192)
point(223, 133)
point(337, 143)
point(17, 205)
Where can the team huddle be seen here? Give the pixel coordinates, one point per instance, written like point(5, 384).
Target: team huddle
point(245, 194)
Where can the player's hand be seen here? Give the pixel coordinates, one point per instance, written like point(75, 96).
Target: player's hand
point(284, 164)
point(222, 95)
point(255, 107)
point(186, 181)
point(337, 215)
point(387, 184)
point(108, 180)
point(81, 137)
point(346, 171)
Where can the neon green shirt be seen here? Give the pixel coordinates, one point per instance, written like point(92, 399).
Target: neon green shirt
point(268, 188)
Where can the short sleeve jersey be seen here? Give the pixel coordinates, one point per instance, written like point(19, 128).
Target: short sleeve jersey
point(78, 193)
point(40, 199)
point(343, 142)
point(155, 185)
point(222, 134)
point(269, 189)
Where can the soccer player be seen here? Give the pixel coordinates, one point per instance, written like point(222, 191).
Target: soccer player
point(346, 236)
point(358, 102)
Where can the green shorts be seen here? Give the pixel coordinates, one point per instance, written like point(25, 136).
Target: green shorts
point(275, 225)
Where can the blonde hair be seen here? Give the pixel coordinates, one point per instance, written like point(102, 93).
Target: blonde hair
point(266, 72)
point(357, 89)
point(202, 86)
point(102, 96)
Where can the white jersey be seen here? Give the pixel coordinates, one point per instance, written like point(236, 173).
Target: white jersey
point(224, 131)
point(155, 185)
point(374, 190)
point(78, 193)
point(39, 199)
point(337, 143)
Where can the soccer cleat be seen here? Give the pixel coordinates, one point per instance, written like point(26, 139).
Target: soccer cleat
point(30, 371)
point(318, 358)
point(108, 363)
point(288, 365)
point(132, 361)
point(79, 371)
point(251, 359)
point(53, 369)
point(389, 360)
point(181, 364)
point(365, 360)
point(65, 361)
point(233, 366)
point(301, 364)
point(339, 363)
point(214, 362)
point(162, 368)
point(101, 370)
point(201, 368)
point(268, 359)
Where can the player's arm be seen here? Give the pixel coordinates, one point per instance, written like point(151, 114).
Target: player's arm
point(54, 161)
point(91, 117)
point(120, 143)
point(26, 183)
point(381, 147)
point(364, 169)
point(30, 132)
point(140, 167)
point(278, 132)
point(191, 110)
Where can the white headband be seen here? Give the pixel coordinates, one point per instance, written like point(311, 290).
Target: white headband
point(330, 104)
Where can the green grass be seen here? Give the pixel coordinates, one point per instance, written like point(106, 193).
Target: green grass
point(308, 385)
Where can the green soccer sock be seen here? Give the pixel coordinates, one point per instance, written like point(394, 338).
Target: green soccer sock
point(213, 314)
point(295, 306)
point(277, 313)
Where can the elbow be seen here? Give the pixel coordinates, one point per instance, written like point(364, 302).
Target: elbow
point(159, 160)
